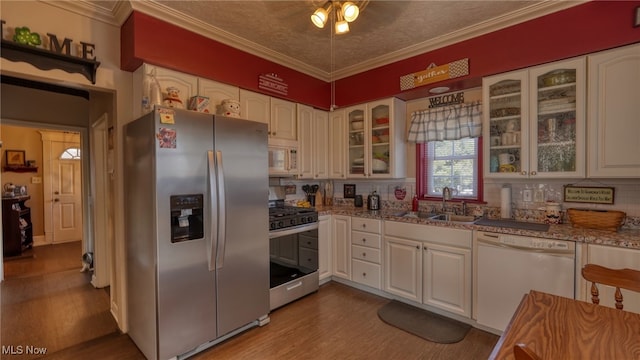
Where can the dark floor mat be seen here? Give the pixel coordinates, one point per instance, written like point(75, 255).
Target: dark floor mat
point(425, 324)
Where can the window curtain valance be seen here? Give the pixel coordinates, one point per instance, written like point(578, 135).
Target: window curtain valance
point(446, 123)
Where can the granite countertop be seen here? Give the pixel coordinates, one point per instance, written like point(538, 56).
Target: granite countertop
point(625, 238)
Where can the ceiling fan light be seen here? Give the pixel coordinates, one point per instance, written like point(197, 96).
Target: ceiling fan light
point(342, 27)
point(350, 11)
point(319, 18)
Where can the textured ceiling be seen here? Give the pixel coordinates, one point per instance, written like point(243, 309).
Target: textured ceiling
point(385, 31)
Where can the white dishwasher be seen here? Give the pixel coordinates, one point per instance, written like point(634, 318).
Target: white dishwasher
point(509, 266)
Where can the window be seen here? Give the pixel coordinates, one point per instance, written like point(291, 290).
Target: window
point(452, 163)
point(70, 154)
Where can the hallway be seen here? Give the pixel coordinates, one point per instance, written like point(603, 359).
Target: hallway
point(48, 304)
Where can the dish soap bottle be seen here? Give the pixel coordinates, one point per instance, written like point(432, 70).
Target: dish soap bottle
point(415, 205)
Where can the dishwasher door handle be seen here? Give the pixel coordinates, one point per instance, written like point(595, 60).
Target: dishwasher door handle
point(525, 248)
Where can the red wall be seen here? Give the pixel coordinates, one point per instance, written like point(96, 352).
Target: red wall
point(582, 29)
point(147, 39)
point(579, 30)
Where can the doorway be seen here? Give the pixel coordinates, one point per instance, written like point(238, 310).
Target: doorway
point(54, 185)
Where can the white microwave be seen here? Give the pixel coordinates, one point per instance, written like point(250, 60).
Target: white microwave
point(283, 158)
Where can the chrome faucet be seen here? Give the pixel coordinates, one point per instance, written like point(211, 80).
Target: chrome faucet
point(446, 195)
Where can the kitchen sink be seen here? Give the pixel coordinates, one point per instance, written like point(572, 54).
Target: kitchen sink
point(454, 218)
point(414, 214)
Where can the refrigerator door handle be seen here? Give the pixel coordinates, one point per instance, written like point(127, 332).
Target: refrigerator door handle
point(222, 211)
point(213, 205)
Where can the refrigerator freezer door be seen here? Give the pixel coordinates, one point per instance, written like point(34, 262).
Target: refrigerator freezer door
point(186, 289)
point(243, 279)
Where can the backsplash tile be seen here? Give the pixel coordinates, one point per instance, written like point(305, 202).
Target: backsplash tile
point(627, 197)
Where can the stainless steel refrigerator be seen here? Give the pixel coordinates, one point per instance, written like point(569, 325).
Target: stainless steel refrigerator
point(196, 225)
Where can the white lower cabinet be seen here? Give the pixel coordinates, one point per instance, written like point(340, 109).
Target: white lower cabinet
point(366, 257)
point(341, 242)
point(403, 268)
point(429, 265)
point(614, 258)
point(446, 272)
point(324, 247)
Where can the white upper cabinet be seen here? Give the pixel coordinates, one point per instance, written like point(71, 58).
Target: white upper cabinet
point(376, 138)
point(535, 122)
point(255, 106)
point(614, 112)
point(283, 119)
point(313, 127)
point(217, 92)
point(337, 144)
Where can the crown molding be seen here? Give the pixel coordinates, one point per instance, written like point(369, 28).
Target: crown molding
point(506, 20)
point(176, 18)
point(88, 9)
point(121, 10)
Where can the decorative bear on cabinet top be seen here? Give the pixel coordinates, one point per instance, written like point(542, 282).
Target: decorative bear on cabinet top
point(230, 108)
point(173, 98)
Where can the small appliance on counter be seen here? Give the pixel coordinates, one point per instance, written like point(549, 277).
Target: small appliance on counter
point(373, 201)
point(357, 201)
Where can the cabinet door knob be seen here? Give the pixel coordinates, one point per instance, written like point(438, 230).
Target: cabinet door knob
point(56, 200)
point(534, 173)
point(364, 274)
point(274, 133)
point(418, 247)
point(364, 254)
point(425, 248)
point(364, 240)
point(56, 192)
point(523, 173)
point(364, 225)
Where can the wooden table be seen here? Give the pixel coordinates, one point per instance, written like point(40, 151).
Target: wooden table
point(556, 327)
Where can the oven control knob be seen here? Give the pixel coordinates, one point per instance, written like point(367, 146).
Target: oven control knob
point(310, 219)
point(280, 224)
point(303, 219)
point(272, 226)
point(292, 222)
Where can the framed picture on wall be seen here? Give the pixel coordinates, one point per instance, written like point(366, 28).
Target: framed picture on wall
point(349, 191)
point(15, 158)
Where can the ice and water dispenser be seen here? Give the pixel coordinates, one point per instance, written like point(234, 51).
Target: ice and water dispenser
point(187, 217)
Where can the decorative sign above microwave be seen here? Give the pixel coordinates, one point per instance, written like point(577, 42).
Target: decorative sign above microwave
point(273, 83)
point(434, 74)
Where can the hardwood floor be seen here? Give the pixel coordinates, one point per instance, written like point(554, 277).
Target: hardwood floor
point(339, 322)
point(64, 313)
point(47, 303)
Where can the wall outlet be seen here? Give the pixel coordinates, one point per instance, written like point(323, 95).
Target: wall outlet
point(538, 196)
point(36, 180)
point(526, 195)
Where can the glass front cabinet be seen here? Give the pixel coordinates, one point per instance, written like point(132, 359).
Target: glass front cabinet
point(376, 139)
point(534, 122)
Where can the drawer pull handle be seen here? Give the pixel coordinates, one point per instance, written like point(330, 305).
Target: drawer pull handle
point(364, 274)
point(364, 254)
point(364, 225)
point(364, 240)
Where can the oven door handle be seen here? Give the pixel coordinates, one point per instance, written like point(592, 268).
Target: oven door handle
point(292, 230)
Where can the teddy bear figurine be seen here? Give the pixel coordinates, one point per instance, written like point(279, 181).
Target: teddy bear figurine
point(173, 98)
point(230, 108)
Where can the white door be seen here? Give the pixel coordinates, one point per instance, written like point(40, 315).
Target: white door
point(403, 268)
point(66, 186)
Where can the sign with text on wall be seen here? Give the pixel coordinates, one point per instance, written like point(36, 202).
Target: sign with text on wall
point(588, 194)
point(434, 74)
point(273, 83)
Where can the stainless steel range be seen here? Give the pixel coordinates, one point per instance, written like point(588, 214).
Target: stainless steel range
point(293, 250)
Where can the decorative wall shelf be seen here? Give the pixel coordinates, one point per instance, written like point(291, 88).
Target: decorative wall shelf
point(47, 60)
point(21, 169)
